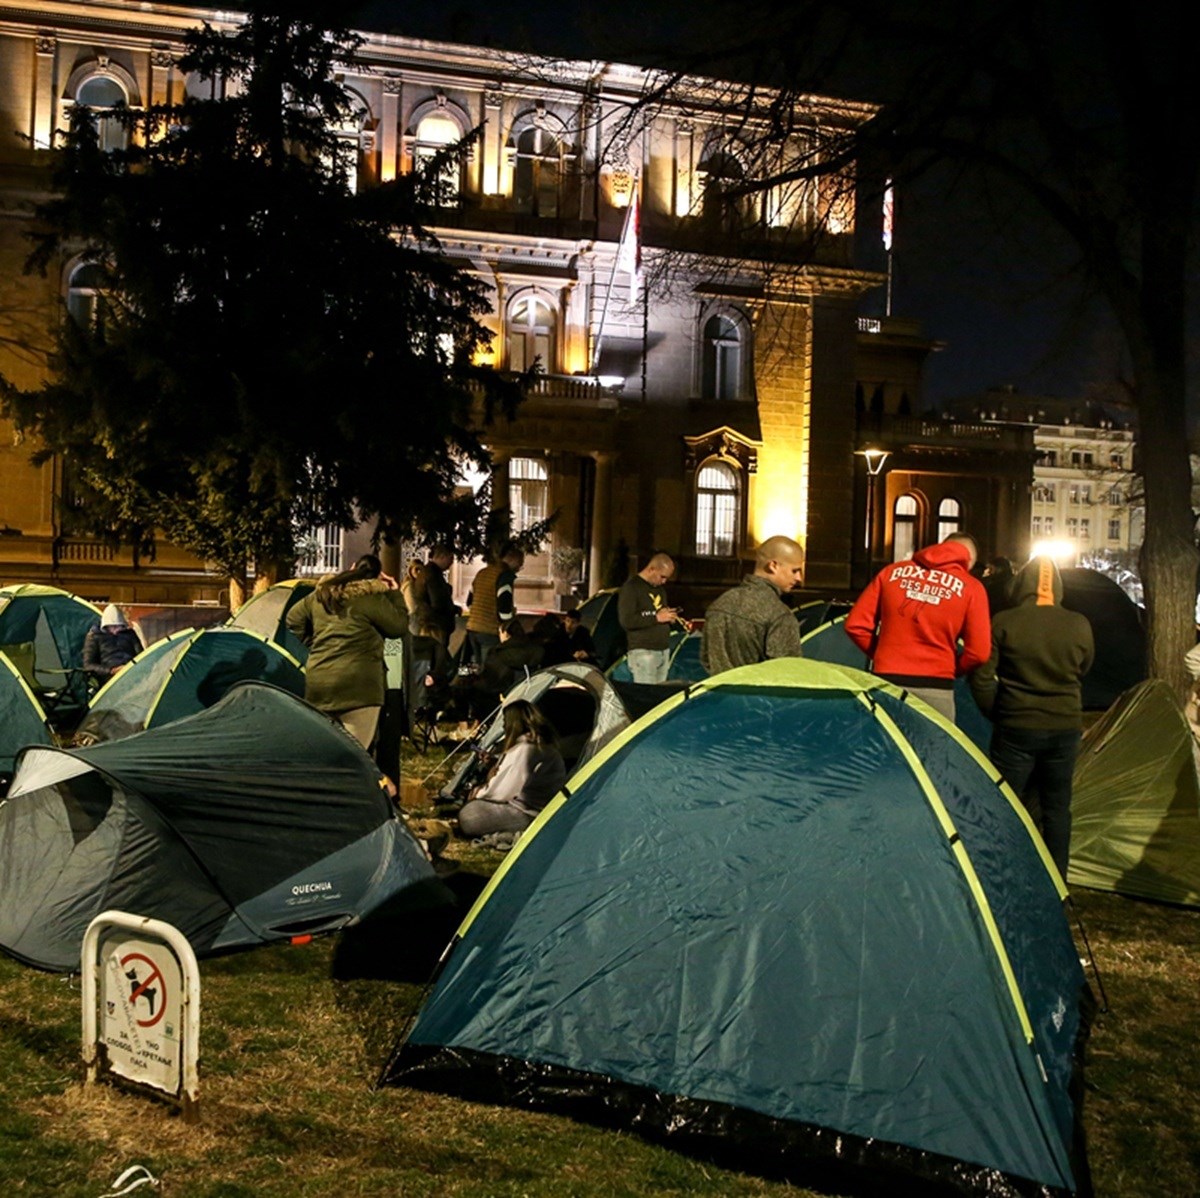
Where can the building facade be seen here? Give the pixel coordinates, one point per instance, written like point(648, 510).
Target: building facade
point(1085, 493)
point(699, 346)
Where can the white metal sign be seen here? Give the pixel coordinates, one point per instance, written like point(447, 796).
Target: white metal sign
point(141, 1005)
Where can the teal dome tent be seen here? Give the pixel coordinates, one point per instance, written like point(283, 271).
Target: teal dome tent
point(791, 919)
point(22, 721)
point(267, 611)
point(183, 674)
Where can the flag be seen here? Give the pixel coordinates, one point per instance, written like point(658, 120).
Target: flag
point(889, 216)
point(629, 250)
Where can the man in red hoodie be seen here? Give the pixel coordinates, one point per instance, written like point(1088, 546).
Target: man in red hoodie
point(911, 617)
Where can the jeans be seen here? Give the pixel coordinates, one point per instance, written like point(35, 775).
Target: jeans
point(1047, 760)
point(649, 665)
point(481, 817)
point(480, 645)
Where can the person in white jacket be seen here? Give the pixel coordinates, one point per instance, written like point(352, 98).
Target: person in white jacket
point(528, 775)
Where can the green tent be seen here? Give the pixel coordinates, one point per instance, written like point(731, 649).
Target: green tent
point(266, 614)
point(256, 820)
point(183, 674)
point(22, 721)
point(1136, 803)
point(791, 918)
point(42, 630)
point(598, 614)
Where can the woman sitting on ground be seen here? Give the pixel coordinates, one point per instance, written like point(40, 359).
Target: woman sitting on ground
point(528, 775)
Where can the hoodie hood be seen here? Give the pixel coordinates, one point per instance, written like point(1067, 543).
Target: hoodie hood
point(945, 555)
point(1039, 582)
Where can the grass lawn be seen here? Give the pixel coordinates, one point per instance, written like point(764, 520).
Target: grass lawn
point(293, 1038)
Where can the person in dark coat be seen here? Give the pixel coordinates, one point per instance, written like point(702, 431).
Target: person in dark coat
point(579, 640)
point(438, 595)
point(110, 645)
point(517, 656)
point(1030, 686)
point(344, 623)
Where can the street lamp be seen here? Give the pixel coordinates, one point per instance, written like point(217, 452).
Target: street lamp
point(874, 459)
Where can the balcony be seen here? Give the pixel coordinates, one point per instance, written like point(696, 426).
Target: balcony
point(900, 432)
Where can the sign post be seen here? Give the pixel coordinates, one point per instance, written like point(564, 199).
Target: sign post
point(141, 1007)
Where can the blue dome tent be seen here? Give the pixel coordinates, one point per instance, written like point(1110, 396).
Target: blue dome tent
point(790, 918)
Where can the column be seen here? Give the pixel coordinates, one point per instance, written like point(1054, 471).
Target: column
point(389, 128)
point(601, 519)
point(45, 104)
point(500, 518)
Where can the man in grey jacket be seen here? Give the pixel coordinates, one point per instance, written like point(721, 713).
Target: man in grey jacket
point(752, 623)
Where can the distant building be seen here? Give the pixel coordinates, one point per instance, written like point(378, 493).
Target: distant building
point(1085, 487)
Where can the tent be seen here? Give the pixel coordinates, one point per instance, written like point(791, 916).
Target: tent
point(598, 615)
point(1117, 629)
point(685, 660)
point(22, 721)
point(266, 615)
point(253, 821)
point(183, 674)
point(830, 643)
point(790, 918)
point(583, 706)
point(1135, 808)
point(42, 630)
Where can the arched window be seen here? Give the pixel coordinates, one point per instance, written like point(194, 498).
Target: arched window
point(904, 528)
point(722, 359)
point(949, 517)
point(101, 94)
point(85, 295)
point(717, 495)
point(530, 334)
point(721, 204)
point(544, 172)
point(528, 492)
point(434, 133)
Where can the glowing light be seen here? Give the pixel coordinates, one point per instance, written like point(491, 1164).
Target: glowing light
point(1062, 552)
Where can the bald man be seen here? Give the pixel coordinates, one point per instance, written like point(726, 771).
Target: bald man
point(643, 612)
point(752, 623)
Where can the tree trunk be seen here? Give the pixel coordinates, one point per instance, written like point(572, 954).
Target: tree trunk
point(237, 594)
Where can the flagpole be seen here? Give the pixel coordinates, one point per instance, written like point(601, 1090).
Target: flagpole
point(612, 276)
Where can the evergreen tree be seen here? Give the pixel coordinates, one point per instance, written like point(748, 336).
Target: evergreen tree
point(271, 350)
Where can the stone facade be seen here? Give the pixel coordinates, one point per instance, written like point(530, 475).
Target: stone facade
point(699, 413)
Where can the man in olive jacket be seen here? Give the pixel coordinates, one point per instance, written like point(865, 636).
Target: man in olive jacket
point(751, 623)
point(1030, 687)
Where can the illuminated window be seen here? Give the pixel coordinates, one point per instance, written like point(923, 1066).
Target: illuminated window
point(434, 133)
point(1085, 529)
point(716, 510)
point(530, 334)
point(1073, 527)
point(949, 516)
point(85, 295)
point(528, 492)
point(1037, 526)
point(1049, 526)
point(544, 173)
point(722, 373)
point(101, 94)
point(319, 550)
point(904, 528)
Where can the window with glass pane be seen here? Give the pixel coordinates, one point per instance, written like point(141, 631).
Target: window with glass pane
point(528, 492)
point(904, 528)
point(949, 518)
point(722, 359)
point(530, 334)
point(716, 510)
point(319, 550)
point(434, 133)
point(539, 173)
point(1114, 530)
point(102, 94)
point(85, 295)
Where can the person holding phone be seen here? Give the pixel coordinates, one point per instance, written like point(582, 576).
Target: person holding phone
point(646, 618)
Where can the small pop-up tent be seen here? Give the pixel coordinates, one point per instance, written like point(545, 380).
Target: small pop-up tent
point(42, 630)
point(790, 918)
point(598, 615)
point(584, 708)
point(1135, 807)
point(22, 721)
point(256, 820)
point(830, 643)
point(184, 674)
point(1116, 622)
point(266, 615)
